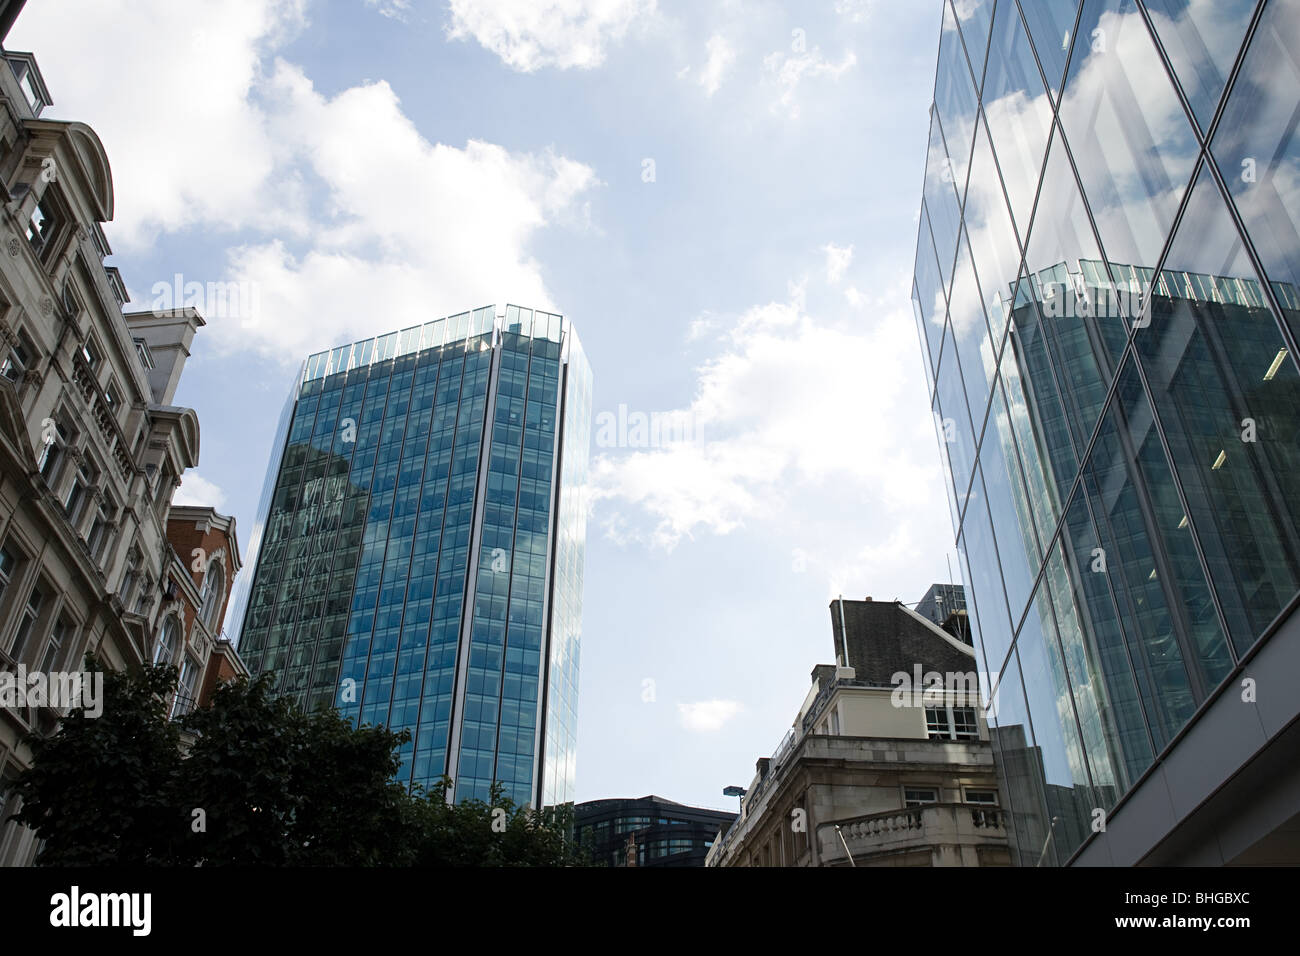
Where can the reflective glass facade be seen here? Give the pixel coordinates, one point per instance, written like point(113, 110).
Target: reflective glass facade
point(421, 555)
point(1106, 296)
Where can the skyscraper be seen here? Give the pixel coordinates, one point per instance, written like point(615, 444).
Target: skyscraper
point(1106, 294)
point(423, 530)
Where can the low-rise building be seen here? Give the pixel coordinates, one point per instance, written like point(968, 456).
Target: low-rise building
point(888, 762)
point(650, 831)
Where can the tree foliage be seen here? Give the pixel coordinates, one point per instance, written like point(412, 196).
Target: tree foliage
point(261, 783)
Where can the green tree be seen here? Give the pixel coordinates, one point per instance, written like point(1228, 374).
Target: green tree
point(281, 787)
point(262, 783)
point(97, 791)
point(497, 832)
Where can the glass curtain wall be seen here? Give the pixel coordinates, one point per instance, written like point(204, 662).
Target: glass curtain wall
point(1106, 297)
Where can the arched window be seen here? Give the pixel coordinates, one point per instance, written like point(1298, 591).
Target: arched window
point(169, 641)
point(213, 587)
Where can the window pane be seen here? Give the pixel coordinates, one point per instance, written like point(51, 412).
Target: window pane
point(1020, 769)
point(986, 580)
point(1013, 527)
point(1018, 111)
point(973, 16)
point(941, 203)
point(1032, 391)
point(930, 294)
point(955, 424)
point(1228, 396)
point(1051, 26)
point(1069, 797)
point(954, 97)
point(1085, 329)
point(1258, 152)
point(1201, 41)
point(1130, 137)
point(992, 240)
point(970, 332)
point(1164, 602)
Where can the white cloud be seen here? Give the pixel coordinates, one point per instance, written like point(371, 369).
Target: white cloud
point(184, 141)
point(721, 58)
point(796, 412)
point(787, 72)
point(530, 34)
point(855, 11)
point(345, 205)
point(197, 490)
point(707, 716)
point(379, 240)
point(838, 259)
point(394, 9)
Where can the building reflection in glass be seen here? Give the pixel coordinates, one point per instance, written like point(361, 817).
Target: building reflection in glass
point(1107, 304)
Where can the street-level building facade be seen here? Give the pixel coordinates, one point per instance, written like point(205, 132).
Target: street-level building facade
point(91, 446)
point(888, 762)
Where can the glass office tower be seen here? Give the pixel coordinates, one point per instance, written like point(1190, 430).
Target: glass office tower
point(1105, 292)
point(421, 558)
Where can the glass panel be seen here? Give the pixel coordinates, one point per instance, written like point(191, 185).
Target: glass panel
point(1020, 769)
point(1085, 329)
point(1100, 670)
point(954, 97)
point(1229, 401)
point(1201, 41)
point(1018, 548)
point(1040, 486)
point(929, 293)
point(986, 579)
point(1067, 791)
point(972, 608)
point(925, 349)
point(974, 16)
point(945, 462)
point(1051, 25)
point(955, 421)
point(974, 348)
point(941, 203)
point(1018, 111)
point(1130, 137)
point(1032, 392)
point(992, 240)
point(1258, 151)
point(1159, 587)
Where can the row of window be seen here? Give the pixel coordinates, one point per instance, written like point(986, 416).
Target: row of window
point(85, 489)
point(920, 796)
point(33, 615)
point(951, 723)
point(170, 649)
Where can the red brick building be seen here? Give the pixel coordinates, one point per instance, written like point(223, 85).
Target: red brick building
point(203, 565)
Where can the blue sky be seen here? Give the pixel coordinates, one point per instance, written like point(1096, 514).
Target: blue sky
point(721, 196)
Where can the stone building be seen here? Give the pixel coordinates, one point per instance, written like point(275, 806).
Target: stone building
point(91, 446)
point(888, 762)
